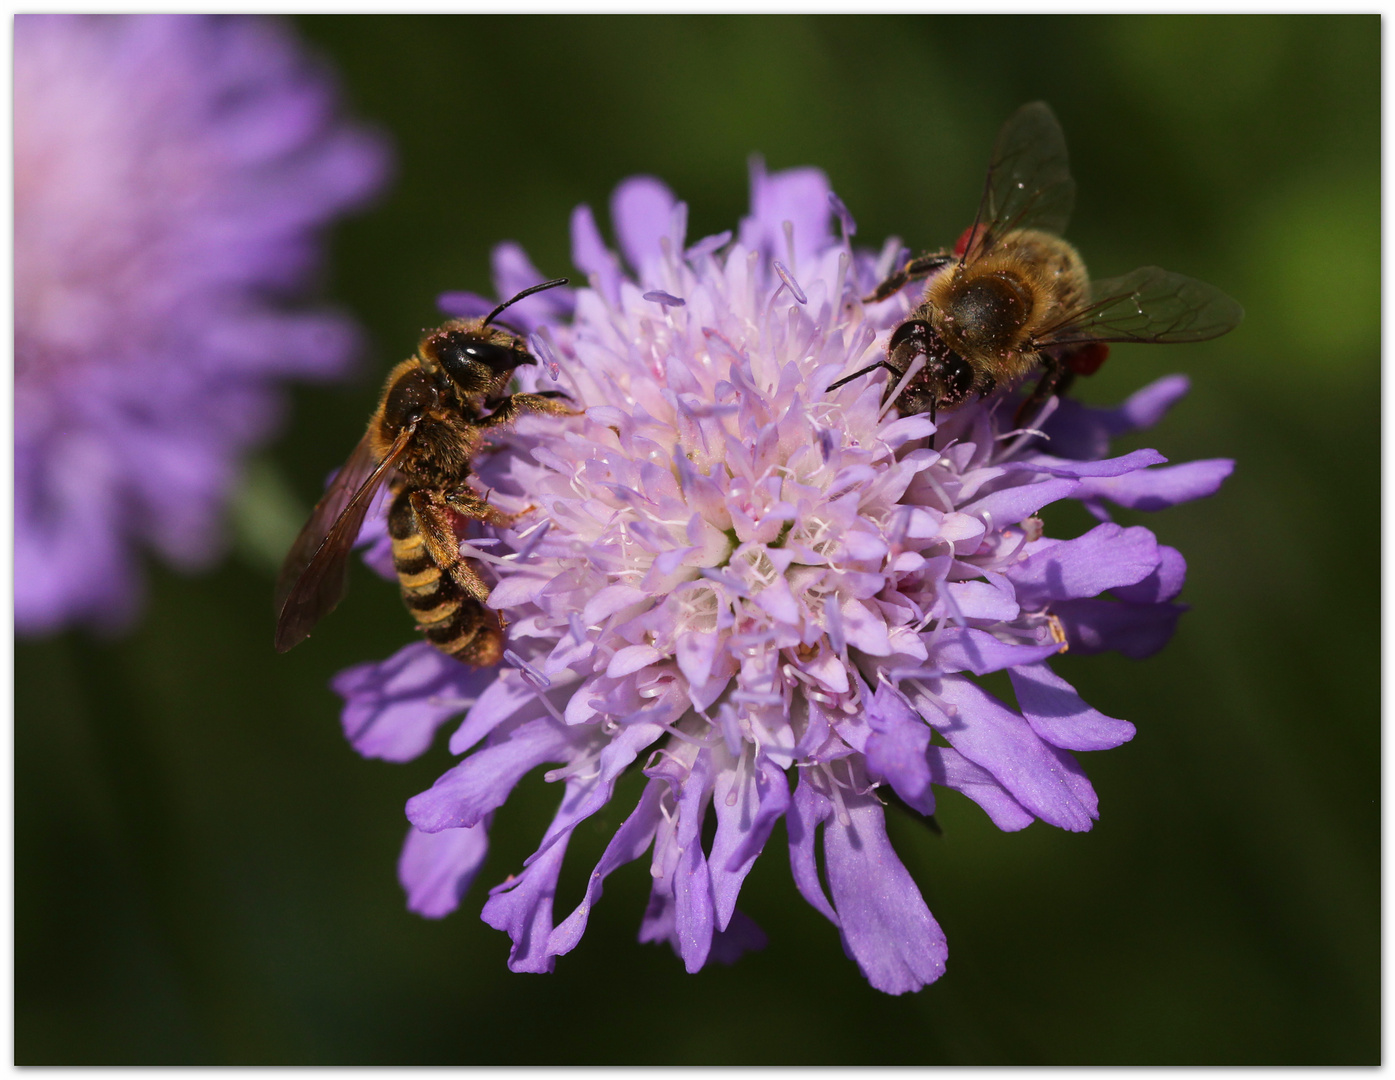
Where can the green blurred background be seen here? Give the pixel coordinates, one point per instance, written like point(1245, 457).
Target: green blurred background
point(204, 871)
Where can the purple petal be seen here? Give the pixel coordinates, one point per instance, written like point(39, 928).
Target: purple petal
point(1076, 431)
point(694, 916)
point(990, 734)
point(1147, 406)
point(949, 768)
point(1105, 557)
point(885, 924)
point(746, 813)
point(1136, 630)
point(513, 272)
point(1157, 489)
point(799, 196)
point(522, 906)
point(436, 869)
point(657, 923)
point(592, 257)
point(807, 811)
point(1054, 466)
point(392, 709)
point(740, 936)
point(1058, 715)
point(1162, 585)
point(482, 781)
point(630, 841)
point(641, 209)
point(982, 600)
point(465, 305)
point(895, 750)
point(615, 757)
point(1080, 432)
point(694, 651)
point(707, 245)
point(966, 649)
point(501, 700)
point(1012, 504)
point(377, 551)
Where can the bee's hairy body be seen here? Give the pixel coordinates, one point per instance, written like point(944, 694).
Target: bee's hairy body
point(451, 615)
point(436, 410)
point(989, 311)
point(1013, 297)
point(431, 496)
point(448, 431)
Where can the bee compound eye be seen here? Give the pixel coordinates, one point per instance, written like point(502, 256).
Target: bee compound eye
point(463, 355)
point(954, 379)
point(915, 332)
point(496, 357)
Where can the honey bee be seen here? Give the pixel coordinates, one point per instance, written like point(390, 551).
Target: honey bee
point(437, 407)
point(1013, 296)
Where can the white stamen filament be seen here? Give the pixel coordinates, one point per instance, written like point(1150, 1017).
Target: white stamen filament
point(911, 372)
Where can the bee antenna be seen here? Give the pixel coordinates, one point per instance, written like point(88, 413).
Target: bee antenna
point(526, 292)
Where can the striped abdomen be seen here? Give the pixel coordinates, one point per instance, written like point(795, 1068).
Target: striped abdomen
point(453, 621)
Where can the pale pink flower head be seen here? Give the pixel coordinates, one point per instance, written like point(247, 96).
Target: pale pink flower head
point(773, 600)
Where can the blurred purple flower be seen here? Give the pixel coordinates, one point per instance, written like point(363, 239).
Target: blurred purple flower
point(776, 598)
point(172, 176)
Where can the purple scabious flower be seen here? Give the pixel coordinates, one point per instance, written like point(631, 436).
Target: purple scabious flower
point(773, 600)
point(172, 175)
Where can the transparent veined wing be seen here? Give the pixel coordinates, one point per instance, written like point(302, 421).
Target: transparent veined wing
point(1149, 305)
point(315, 574)
point(1029, 185)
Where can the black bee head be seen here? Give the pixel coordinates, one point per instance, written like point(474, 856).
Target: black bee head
point(946, 380)
point(478, 360)
point(952, 379)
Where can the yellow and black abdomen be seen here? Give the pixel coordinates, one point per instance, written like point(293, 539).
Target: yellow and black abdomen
point(452, 620)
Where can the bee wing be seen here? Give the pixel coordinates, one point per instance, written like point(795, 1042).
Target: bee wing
point(1029, 185)
point(315, 573)
point(1149, 305)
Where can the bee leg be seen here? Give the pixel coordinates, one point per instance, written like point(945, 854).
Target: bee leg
point(915, 270)
point(508, 409)
point(458, 625)
point(463, 502)
point(469, 505)
point(436, 519)
point(1053, 380)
